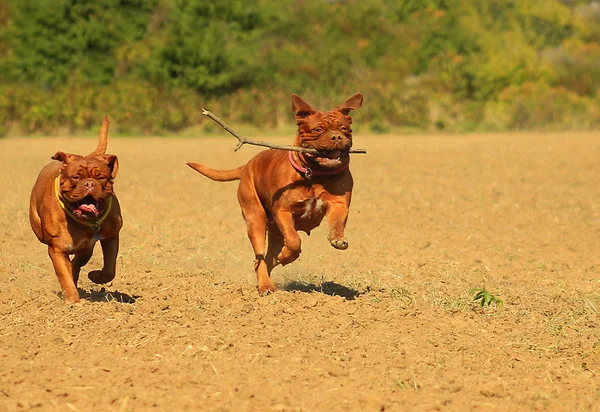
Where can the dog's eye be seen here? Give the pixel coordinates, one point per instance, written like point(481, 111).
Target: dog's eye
point(76, 177)
point(318, 130)
point(344, 129)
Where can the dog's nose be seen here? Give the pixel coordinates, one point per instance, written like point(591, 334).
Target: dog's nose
point(89, 185)
point(336, 138)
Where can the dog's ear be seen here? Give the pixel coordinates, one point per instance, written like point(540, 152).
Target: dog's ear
point(300, 108)
point(61, 157)
point(352, 103)
point(112, 162)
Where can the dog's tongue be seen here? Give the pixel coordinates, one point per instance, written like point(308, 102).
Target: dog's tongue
point(89, 209)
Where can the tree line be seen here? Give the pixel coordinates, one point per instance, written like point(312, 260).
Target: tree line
point(452, 65)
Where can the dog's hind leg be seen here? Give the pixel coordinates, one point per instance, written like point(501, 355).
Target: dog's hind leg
point(80, 260)
point(275, 239)
point(110, 250)
point(256, 219)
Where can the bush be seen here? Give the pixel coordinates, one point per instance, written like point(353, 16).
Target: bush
point(451, 65)
point(539, 106)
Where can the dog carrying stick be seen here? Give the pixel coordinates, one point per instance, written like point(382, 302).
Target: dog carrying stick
point(242, 140)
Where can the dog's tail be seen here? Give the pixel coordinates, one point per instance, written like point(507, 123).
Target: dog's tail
point(102, 141)
point(218, 175)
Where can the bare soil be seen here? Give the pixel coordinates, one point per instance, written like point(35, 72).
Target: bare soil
point(389, 324)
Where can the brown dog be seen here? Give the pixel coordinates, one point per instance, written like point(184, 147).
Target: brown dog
point(281, 192)
point(72, 206)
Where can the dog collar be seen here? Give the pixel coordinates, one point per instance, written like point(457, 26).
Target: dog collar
point(94, 225)
point(308, 172)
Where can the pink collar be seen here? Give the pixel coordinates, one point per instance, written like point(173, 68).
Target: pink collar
point(307, 172)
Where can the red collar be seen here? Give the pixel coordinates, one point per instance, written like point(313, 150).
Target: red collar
point(307, 172)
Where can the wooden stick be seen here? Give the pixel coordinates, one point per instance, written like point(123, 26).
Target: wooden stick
point(242, 140)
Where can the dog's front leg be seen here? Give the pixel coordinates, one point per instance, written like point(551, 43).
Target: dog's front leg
point(291, 240)
point(64, 273)
point(110, 249)
point(337, 216)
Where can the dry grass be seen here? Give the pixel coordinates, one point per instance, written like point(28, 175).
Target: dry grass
point(389, 323)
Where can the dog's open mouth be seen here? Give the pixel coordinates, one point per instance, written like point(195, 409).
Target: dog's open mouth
point(330, 159)
point(87, 207)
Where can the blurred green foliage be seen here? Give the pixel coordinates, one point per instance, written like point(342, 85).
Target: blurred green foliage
point(454, 65)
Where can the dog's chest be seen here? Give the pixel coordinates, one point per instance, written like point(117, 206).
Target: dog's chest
point(307, 204)
point(311, 208)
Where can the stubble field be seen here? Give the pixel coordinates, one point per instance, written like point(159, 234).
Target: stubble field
point(388, 324)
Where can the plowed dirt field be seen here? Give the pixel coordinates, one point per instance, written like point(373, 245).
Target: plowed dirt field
point(389, 324)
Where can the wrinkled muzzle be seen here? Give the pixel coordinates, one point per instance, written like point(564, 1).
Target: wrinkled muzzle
point(87, 199)
point(333, 150)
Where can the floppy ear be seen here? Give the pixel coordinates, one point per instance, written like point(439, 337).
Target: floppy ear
point(300, 108)
point(112, 162)
point(61, 157)
point(352, 103)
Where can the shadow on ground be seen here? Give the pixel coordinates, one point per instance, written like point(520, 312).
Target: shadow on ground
point(103, 295)
point(327, 288)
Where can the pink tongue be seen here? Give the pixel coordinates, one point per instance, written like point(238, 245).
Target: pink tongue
point(89, 208)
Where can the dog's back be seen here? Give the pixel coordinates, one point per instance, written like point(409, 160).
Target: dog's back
point(42, 185)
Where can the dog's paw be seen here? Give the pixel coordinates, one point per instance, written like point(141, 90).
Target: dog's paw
point(72, 298)
point(99, 276)
point(340, 244)
point(265, 289)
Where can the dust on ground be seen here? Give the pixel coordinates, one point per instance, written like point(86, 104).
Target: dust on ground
point(389, 324)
